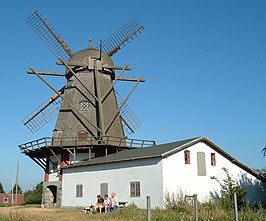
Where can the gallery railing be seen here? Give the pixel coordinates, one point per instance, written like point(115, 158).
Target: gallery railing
point(88, 141)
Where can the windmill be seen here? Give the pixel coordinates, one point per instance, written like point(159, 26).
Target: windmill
point(91, 115)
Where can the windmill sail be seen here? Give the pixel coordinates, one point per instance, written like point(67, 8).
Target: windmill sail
point(55, 44)
point(129, 119)
point(121, 37)
point(42, 115)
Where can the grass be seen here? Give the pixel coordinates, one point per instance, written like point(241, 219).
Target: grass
point(207, 212)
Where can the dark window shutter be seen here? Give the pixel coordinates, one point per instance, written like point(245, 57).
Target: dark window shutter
point(187, 156)
point(213, 159)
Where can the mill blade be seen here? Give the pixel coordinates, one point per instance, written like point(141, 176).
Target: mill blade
point(121, 37)
point(43, 114)
point(129, 119)
point(49, 37)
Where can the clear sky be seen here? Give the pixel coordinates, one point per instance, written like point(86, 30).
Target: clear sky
point(204, 63)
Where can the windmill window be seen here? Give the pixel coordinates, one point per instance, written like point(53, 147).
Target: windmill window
point(187, 156)
point(213, 159)
point(79, 190)
point(135, 189)
point(84, 105)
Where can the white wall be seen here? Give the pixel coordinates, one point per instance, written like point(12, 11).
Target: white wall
point(118, 176)
point(180, 176)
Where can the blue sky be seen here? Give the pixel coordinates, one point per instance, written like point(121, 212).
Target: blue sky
point(204, 63)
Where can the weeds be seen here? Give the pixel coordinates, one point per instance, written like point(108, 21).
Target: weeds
point(182, 211)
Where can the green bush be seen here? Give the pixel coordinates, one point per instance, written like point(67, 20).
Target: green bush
point(34, 196)
point(228, 188)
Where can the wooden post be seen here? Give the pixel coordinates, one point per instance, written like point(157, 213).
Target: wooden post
point(235, 201)
point(148, 208)
point(196, 207)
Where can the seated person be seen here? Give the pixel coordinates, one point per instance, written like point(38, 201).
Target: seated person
point(107, 202)
point(99, 205)
point(114, 202)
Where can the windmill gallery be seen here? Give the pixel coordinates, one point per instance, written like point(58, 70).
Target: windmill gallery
point(89, 154)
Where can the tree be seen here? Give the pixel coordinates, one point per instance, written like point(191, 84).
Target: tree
point(262, 171)
point(264, 151)
point(228, 187)
point(14, 189)
point(1, 188)
point(34, 196)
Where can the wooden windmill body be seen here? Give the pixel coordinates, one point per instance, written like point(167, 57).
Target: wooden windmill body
point(92, 116)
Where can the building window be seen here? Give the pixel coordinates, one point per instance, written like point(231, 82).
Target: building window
point(84, 105)
point(201, 164)
point(213, 159)
point(103, 189)
point(79, 190)
point(187, 156)
point(135, 189)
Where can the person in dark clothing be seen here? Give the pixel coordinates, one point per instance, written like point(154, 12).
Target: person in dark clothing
point(99, 204)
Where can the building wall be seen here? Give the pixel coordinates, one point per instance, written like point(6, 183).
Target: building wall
point(118, 176)
point(157, 176)
point(180, 177)
point(6, 198)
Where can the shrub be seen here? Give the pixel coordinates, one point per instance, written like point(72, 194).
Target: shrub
point(228, 188)
point(176, 202)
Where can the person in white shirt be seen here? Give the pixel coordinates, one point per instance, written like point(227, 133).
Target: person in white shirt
point(114, 202)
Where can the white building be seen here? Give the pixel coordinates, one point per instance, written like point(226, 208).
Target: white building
point(179, 166)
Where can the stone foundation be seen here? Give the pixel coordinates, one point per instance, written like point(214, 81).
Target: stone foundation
point(52, 194)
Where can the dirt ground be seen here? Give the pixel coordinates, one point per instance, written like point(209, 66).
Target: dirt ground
point(18, 213)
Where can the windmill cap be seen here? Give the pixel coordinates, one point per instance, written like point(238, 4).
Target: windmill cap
point(83, 56)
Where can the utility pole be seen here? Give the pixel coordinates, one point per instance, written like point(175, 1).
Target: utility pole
point(12, 192)
point(17, 183)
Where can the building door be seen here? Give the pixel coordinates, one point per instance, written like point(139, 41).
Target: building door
point(53, 190)
point(82, 136)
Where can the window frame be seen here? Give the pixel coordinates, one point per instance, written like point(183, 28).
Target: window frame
point(79, 190)
point(103, 189)
point(201, 164)
point(213, 159)
point(82, 107)
point(187, 156)
point(134, 189)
